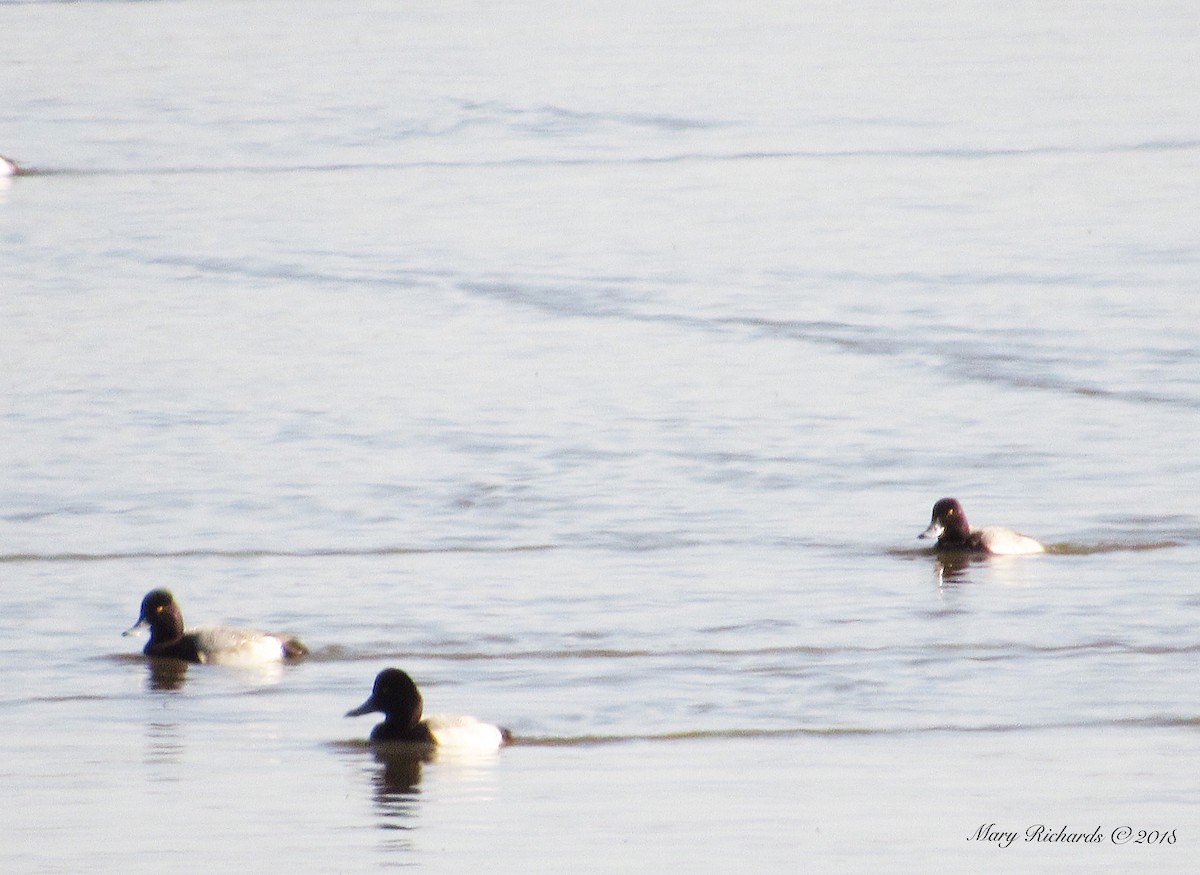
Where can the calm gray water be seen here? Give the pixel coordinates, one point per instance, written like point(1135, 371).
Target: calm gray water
point(599, 364)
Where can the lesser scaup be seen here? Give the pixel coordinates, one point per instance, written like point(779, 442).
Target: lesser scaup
point(207, 644)
point(949, 525)
point(397, 697)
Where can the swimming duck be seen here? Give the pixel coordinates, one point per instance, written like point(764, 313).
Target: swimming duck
point(949, 525)
point(207, 644)
point(397, 697)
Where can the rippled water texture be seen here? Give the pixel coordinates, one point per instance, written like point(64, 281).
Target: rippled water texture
point(599, 366)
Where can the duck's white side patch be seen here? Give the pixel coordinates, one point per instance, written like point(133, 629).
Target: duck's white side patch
point(1006, 542)
point(463, 732)
point(221, 645)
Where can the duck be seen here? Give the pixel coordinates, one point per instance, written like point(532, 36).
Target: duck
point(207, 644)
point(396, 696)
point(949, 525)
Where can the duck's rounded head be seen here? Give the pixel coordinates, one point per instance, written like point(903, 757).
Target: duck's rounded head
point(396, 696)
point(948, 522)
point(161, 615)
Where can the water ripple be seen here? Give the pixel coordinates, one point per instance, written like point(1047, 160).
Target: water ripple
point(974, 651)
point(261, 553)
point(1155, 722)
point(958, 153)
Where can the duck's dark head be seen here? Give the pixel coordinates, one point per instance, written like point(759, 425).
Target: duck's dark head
point(161, 615)
point(396, 696)
point(948, 522)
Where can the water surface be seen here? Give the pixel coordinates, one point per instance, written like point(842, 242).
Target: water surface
point(599, 367)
